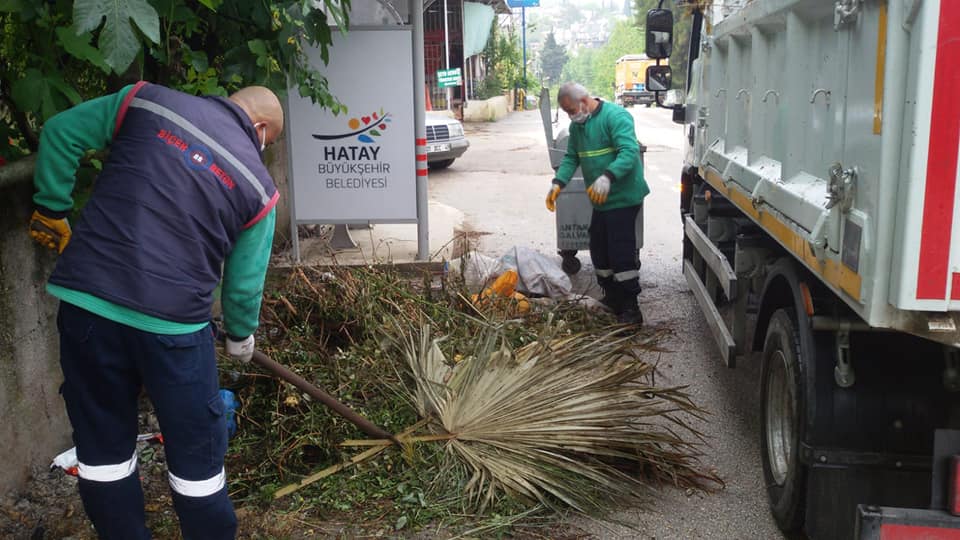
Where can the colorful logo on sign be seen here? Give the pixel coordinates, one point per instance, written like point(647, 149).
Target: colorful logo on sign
point(365, 128)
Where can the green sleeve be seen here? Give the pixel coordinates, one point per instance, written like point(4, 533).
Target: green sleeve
point(243, 275)
point(570, 162)
point(63, 141)
point(624, 138)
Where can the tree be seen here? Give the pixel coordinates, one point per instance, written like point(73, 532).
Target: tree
point(682, 26)
point(552, 59)
point(56, 53)
point(503, 59)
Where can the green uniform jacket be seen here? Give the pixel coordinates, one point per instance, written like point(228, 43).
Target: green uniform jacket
point(607, 144)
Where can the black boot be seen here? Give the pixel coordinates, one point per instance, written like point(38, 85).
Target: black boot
point(611, 298)
point(630, 310)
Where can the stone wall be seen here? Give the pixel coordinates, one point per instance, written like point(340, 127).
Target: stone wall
point(33, 421)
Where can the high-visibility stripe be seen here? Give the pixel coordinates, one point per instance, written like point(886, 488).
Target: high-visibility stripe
point(940, 191)
point(164, 112)
point(422, 172)
point(421, 157)
point(108, 473)
point(595, 153)
point(198, 488)
point(626, 276)
point(421, 142)
point(603, 272)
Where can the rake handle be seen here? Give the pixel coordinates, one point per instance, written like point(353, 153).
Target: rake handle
point(347, 413)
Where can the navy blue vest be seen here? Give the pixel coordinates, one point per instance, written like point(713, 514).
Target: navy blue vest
point(184, 178)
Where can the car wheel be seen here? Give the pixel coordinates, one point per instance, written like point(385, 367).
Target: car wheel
point(438, 165)
point(782, 402)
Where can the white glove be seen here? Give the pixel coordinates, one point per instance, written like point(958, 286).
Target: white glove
point(599, 190)
point(241, 350)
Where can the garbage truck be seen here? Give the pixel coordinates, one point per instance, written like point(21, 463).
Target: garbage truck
point(821, 238)
point(629, 86)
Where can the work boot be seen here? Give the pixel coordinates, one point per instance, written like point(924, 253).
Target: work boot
point(630, 310)
point(631, 317)
point(611, 299)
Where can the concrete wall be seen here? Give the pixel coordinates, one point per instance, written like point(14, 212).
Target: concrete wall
point(33, 421)
point(488, 110)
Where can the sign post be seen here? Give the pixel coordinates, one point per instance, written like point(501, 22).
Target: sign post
point(523, 5)
point(358, 167)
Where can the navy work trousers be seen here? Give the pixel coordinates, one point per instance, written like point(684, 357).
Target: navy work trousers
point(105, 364)
point(613, 251)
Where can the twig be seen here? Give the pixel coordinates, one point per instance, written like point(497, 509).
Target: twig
point(380, 442)
point(359, 458)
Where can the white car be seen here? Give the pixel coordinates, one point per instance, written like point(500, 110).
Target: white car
point(445, 140)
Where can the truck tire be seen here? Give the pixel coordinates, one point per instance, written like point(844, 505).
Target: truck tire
point(783, 406)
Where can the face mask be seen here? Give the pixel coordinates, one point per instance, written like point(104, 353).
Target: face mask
point(581, 116)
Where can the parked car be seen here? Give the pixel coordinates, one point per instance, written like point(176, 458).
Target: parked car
point(445, 140)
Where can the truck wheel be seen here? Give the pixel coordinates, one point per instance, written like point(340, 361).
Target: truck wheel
point(782, 402)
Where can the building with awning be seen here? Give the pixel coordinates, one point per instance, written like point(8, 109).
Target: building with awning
point(457, 43)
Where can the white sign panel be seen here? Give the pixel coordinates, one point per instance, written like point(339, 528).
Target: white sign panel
point(358, 166)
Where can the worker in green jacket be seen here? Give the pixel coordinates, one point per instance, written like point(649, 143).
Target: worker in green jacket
point(603, 143)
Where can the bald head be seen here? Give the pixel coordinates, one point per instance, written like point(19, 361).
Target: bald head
point(263, 108)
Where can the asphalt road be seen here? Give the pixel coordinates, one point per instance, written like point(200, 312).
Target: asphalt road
point(500, 185)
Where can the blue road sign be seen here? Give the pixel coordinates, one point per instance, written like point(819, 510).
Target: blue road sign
point(523, 3)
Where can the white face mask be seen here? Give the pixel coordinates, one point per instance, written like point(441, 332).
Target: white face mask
point(581, 117)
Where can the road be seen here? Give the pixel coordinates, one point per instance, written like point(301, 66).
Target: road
point(500, 185)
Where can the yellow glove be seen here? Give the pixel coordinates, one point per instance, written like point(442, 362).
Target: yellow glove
point(50, 232)
point(552, 198)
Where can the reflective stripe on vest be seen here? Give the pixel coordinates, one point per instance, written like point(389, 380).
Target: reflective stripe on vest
point(164, 112)
point(595, 153)
point(198, 488)
point(108, 473)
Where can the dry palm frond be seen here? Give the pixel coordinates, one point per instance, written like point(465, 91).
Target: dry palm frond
point(570, 420)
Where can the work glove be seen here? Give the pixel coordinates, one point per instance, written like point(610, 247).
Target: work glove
point(599, 190)
point(50, 232)
point(241, 350)
point(552, 197)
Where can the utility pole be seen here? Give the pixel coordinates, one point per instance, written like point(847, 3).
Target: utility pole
point(446, 46)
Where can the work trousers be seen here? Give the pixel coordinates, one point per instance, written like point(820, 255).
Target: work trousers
point(613, 251)
point(105, 364)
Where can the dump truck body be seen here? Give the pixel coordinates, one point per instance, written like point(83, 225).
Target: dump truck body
point(820, 213)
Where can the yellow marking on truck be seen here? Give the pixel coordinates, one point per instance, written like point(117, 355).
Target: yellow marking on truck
point(881, 62)
point(830, 270)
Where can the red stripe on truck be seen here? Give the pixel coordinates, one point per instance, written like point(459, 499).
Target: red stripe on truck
point(941, 160)
point(892, 531)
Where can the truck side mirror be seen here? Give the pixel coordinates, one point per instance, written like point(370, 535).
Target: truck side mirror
point(659, 78)
point(659, 33)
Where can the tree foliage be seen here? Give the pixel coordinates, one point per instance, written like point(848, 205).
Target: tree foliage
point(504, 61)
point(682, 25)
point(553, 58)
point(56, 53)
point(596, 68)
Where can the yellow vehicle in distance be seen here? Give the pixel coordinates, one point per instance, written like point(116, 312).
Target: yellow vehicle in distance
point(629, 80)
